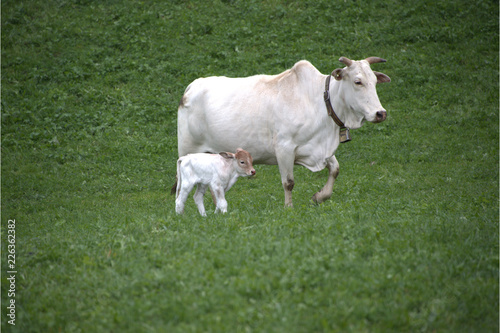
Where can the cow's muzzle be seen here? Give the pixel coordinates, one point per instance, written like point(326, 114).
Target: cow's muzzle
point(380, 116)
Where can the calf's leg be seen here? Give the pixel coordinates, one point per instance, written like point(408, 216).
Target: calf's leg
point(198, 198)
point(220, 199)
point(182, 196)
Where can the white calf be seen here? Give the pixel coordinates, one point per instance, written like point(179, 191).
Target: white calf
point(219, 171)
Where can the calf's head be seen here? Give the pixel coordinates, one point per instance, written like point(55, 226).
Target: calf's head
point(242, 162)
point(358, 93)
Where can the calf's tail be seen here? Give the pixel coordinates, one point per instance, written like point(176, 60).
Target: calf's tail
point(175, 189)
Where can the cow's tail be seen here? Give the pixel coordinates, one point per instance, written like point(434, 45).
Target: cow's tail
point(173, 190)
point(176, 188)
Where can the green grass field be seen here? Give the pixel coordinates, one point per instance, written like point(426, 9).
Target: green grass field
point(407, 243)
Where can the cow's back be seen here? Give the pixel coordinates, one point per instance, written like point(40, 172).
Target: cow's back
point(221, 114)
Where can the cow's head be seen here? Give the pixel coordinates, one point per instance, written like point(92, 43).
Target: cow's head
point(357, 91)
point(242, 161)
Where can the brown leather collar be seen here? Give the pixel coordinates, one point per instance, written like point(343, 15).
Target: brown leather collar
point(326, 97)
point(344, 134)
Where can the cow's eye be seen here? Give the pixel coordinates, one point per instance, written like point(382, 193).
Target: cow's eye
point(242, 162)
point(357, 82)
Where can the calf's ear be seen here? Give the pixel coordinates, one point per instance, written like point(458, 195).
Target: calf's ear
point(381, 77)
point(227, 155)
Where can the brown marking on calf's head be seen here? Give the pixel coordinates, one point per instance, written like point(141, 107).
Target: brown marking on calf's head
point(245, 161)
point(243, 154)
point(243, 158)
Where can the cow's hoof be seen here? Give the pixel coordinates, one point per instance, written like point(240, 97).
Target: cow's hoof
point(315, 199)
point(318, 198)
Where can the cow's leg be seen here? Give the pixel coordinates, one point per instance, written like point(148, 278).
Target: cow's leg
point(198, 198)
point(285, 164)
point(220, 199)
point(182, 197)
point(333, 171)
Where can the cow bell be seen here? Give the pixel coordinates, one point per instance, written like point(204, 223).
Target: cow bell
point(345, 135)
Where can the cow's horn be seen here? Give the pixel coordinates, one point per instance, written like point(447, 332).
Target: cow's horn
point(346, 61)
point(374, 60)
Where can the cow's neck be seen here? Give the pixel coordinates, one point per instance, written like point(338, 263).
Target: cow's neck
point(344, 131)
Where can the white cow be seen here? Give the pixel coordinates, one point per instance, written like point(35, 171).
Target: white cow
point(219, 171)
point(282, 119)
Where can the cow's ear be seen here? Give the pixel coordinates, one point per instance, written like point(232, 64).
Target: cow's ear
point(227, 155)
point(381, 77)
point(337, 74)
